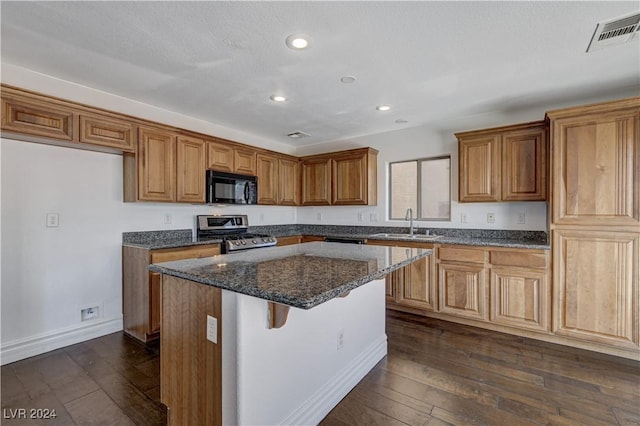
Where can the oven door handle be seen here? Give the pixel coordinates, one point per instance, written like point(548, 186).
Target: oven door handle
point(246, 193)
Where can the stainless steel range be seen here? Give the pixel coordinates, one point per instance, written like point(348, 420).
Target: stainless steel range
point(233, 230)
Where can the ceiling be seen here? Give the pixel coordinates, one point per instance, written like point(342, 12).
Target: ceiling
point(221, 61)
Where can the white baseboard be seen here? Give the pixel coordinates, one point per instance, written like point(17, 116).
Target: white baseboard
point(36, 345)
point(314, 409)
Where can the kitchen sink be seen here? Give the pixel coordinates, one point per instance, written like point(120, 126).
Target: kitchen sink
point(407, 236)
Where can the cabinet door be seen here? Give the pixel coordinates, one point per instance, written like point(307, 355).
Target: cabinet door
point(107, 131)
point(596, 286)
point(37, 118)
point(524, 165)
point(288, 182)
point(479, 169)
point(596, 169)
point(349, 177)
point(462, 290)
point(316, 182)
point(267, 172)
point(220, 157)
point(520, 298)
point(245, 161)
point(415, 287)
point(190, 168)
point(156, 165)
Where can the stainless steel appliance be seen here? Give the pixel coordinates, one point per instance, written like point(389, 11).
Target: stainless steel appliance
point(230, 188)
point(233, 230)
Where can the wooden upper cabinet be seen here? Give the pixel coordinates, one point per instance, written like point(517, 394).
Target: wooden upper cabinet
point(316, 181)
point(596, 165)
point(245, 161)
point(220, 157)
point(288, 182)
point(354, 178)
point(156, 165)
point(596, 286)
point(479, 171)
point(33, 117)
point(267, 173)
point(107, 131)
point(524, 165)
point(190, 170)
point(226, 157)
point(503, 164)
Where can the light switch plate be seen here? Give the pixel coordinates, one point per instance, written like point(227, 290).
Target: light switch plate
point(212, 329)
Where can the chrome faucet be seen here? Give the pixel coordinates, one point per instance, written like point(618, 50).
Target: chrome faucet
point(409, 216)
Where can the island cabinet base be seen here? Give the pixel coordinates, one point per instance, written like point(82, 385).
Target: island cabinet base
point(295, 374)
point(190, 365)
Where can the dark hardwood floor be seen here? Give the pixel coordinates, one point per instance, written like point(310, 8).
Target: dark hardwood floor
point(436, 373)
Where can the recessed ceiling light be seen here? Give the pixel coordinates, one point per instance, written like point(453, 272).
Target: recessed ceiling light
point(348, 79)
point(383, 107)
point(277, 98)
point(401, 121)
point(297, 41)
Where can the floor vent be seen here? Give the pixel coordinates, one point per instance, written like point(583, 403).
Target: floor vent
point(615, 31)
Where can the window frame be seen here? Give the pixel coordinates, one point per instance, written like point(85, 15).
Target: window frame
point(418, 211)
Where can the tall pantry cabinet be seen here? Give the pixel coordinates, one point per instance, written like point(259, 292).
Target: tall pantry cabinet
point(595, 223)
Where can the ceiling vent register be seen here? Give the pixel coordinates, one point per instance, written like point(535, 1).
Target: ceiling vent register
point(298, 135)
point(615, 31)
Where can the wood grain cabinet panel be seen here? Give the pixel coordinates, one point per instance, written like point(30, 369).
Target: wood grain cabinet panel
point(479, 170)
point(596, 286)
point(415, 286)
point(520, 298)
point(349, 180)
point(268, 179)
point(316, 182)
point(156, 165)
point(462, 290)
point(34, 118)
point(596, 176)
point(220, 157)
point(288, 182)
point(108, 131)
point(524, 165)
point(190, 170)
point(245, 161)
point(503, 164)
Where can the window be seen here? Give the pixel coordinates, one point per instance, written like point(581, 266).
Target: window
point(423, 185)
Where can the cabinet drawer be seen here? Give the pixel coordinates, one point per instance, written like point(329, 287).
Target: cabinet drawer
point(185, 253)
point(462, 254)
point(37, 119)
point(109, 132)
point(524, 259)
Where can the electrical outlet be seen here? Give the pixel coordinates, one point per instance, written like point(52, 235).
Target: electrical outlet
point(373, 217)
point(521, 218)
point(340, 339)
point(491, 218)
point(463, 218)
point(360, 217)
point(212, 329)
point(89, 313)
point(53, 220)
point(167, 219)
point(261, 217)
point(319, 216)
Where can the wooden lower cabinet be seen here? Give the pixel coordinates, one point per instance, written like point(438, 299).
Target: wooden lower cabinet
point(597, 290)
point(141, 288)
point(520, 298)
point(462, 289)
point(290, 240)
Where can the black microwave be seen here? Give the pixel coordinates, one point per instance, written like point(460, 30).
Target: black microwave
point(230, 188)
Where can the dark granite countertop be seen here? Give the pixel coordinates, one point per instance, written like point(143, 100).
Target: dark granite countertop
point(155, 240)
point(301, 275)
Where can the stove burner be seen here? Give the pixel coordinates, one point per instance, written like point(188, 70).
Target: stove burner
point(232, 230)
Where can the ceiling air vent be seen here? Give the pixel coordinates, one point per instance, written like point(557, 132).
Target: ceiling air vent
point(615, 31)
point(298, 135)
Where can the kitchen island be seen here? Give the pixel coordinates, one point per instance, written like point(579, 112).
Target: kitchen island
point(272, 336)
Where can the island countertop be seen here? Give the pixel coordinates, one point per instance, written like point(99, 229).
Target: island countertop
point(301, 275)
